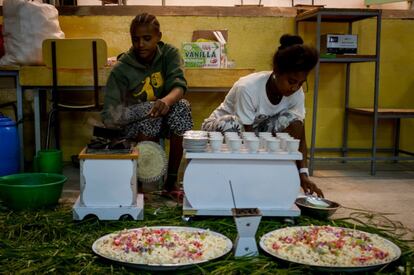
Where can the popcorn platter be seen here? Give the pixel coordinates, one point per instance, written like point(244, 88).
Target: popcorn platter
point(162, 248)
point(329, 248)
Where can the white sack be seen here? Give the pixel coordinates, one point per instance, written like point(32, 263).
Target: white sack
point(25, 25)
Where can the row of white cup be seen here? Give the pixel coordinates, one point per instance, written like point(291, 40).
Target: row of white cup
point(265, 142)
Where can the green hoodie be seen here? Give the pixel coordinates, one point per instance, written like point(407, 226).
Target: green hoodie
point(131, 82)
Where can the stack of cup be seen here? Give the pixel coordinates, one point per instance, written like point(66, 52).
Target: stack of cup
point(262, 137)
point(233, 141)
point(272, 144)
point(284, 137)
point(235, 144)
point(251, 141)
point(215, 134)
point(230, 135)
point(216, 140)
point(248, 134)
point(293, 145)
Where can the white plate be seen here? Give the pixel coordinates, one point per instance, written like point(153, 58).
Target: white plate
point(192, 150)
point(195, 143)
point(333, 268)
point(195, 149)
point(195, 139)
point(195, 146)
point(164, 267)
point(196, 133)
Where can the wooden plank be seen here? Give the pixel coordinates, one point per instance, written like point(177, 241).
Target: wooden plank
point(214, 78)
point(41, 76)
point(397, 14)
point(384, 111)
point(251, 11)
point(9, 68)
point(132, 155)
point(344, 56)
point(337, 15)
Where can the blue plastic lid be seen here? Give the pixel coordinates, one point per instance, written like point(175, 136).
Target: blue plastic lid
point(6, 121)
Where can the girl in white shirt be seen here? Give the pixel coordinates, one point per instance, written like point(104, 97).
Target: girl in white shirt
point(272, 101)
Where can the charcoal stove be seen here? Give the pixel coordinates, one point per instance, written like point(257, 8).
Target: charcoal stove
point(108, 180)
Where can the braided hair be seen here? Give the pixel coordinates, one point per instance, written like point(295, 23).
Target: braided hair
point(293, 56)
point(144, 19)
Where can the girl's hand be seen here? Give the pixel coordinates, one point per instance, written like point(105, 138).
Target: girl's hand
point(159, 108)
point(309, 187)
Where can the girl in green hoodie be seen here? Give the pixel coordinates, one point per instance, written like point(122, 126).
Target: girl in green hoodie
point(144, 92)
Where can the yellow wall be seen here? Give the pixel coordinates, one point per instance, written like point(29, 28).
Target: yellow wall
point(396, 85)
point(252, 41)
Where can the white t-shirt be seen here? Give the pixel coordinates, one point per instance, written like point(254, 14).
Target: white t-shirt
point(247, 99)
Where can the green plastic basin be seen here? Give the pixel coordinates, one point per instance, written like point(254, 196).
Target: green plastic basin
point(31, 190)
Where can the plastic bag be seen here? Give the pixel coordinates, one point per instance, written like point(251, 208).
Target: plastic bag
point(25, 25)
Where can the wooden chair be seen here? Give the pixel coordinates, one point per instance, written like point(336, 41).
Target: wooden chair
point(83, 57)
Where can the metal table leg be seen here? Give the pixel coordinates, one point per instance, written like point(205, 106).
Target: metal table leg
point(19, 99)
point(36, 103)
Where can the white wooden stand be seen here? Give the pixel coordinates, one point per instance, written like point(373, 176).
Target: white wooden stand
point(245, 244)
point(265, 180)
point(108, 187)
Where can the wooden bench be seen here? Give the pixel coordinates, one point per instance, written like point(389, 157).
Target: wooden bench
point(389, 113)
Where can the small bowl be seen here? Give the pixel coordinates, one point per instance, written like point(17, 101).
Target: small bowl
point(312, 210)
point(31, 190)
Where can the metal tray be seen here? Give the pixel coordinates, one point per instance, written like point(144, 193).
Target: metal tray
point(166, 267)
point(327, 268)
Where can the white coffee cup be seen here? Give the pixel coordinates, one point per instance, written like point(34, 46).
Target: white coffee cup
point(293, 145)
point(248, 134)
point(262, 142)
point(273, 144)
point(284, 143)
point(252, 144)
point(283, 135)
point(215, 143)
point(235, 144)
point(232, 134)
point(195, 133)
point(265, 134)
point(215, 134)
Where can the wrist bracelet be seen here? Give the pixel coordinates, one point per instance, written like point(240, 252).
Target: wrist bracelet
point(304, 171)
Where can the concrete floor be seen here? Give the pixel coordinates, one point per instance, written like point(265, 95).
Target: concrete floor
point(391, 191)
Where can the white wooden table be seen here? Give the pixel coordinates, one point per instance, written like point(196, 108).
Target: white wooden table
point(108, 187)
point(264, 180)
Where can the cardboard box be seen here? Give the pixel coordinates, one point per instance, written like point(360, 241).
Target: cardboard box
point(339, 43)
point(201, 54)
point(220, 36)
